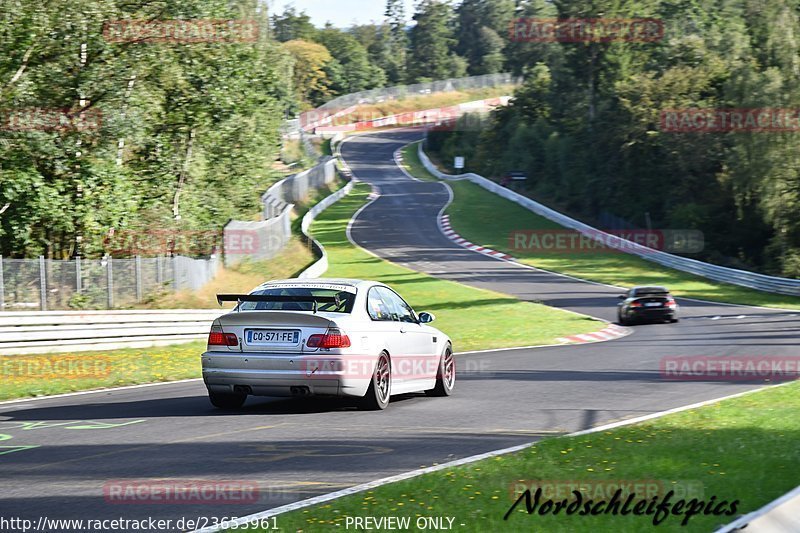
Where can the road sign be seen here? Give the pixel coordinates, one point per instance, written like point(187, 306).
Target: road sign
point(459, 164)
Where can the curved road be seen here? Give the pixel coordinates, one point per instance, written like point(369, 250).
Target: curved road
point(81, 446)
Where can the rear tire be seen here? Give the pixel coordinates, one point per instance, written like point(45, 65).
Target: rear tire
point(623, 321)
point(227, 400)
point(445, 377)
point(380, 389)
point(674, 320)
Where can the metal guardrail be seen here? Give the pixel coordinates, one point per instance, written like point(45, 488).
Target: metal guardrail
point(401, 91)
point(321, 266)
point(733, 276)
point(54, 331)
point(265, 239)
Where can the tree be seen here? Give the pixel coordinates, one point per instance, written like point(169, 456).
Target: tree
point(396, 42)
point(483, 33)
point(291, 25)
point(311, 79)
point(356, 72)
point(586, 123)
point(187, 135)
point(431, 56)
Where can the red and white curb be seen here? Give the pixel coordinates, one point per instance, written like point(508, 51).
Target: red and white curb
point(609, 334)
point(375, 194)
point(444, 223)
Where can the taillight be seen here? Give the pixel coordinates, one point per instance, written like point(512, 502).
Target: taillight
point(218, 338)
point(636, 304)
point(671, 302)
point(332, 339)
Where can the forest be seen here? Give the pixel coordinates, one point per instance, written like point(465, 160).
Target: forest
point(182, 133)
point(588, 127)
point(108, 126)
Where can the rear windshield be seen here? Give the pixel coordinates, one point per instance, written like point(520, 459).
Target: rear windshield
point(346, 300)
point(651, 292)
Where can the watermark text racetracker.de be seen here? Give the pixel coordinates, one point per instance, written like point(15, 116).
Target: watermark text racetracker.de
point(605, 488)
point(166, 241)
point(730, 368)
point(181, 31)
point(566, 241)
point(404, 367)
point(50, 119)
point(186, 492)
point(44, 367)
point(711, 120)
point(582, 30)
point(57, 525)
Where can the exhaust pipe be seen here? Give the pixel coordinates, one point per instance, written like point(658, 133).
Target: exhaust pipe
point(243, 389)
point(300, 391)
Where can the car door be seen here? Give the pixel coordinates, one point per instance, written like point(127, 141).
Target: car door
point(418, 359)
point(384, 329)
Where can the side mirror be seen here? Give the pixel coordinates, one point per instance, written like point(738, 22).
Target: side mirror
point(426, 318)
point(622, 297)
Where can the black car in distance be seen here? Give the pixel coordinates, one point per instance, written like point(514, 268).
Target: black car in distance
point(647, 304)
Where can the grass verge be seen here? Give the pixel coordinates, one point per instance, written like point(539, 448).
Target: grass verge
point(26, 376)
point(715, 452)
point(413, 165)
point(489, 220)
point(474, 318)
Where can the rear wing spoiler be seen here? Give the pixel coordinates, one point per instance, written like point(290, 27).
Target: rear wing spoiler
point(258, 298)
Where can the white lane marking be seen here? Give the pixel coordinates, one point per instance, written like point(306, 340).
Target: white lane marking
point(742, 522)
point(467, 460)
point(398, 160)
point(97, 391)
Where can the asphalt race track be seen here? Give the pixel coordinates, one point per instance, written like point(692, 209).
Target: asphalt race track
point(295, 449)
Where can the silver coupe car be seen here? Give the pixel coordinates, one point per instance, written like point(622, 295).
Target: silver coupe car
point(325, 337)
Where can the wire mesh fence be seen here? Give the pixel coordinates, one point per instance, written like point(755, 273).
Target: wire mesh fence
point(374, 96)
point(107, 283)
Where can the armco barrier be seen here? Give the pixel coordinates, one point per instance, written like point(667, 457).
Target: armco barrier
point(266, 239)
point(76, 331)
point(297, 187)
point(321, 266)
point(733, 276)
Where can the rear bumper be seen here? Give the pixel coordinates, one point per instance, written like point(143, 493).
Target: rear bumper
point(653, 314)
point(280, 375)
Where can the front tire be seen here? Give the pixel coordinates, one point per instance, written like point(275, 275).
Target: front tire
point(380, 389)
point(227, 400)
point(446, 376)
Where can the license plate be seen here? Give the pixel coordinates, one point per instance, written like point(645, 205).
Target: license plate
point(655, 304)
point(272, 337)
